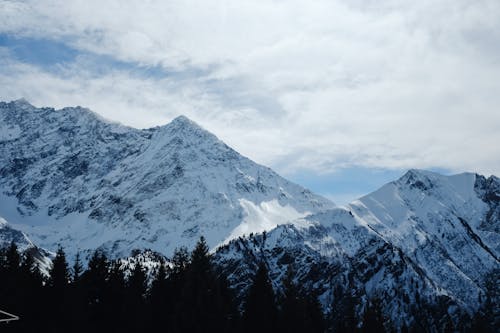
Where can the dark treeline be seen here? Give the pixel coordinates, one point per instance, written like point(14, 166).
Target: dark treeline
point(187, 296)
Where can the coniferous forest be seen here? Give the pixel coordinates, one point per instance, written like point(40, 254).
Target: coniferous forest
point(188, 295)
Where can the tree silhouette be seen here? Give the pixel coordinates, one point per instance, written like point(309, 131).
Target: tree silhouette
point(59, 274)
point(260, 313)
point(159, 298)
point(59, 277)
point(135, 292)
point(298, 312)
point(292, 314)
point(373, 320)
point(94, 285)
point(77, 269)
point(194, 307)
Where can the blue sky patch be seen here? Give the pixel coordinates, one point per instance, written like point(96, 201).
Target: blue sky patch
point(346, 185)
point(40, 52)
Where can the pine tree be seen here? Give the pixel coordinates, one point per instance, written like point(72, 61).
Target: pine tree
point(299, 312)
point(159, 298)
point(137, 283)
point(200, 258)
point(260, 313)
point(292, 315)
point(160, 278)
point(175, 285)
point(314, 318)
point(29, 287)
point(30, 271)
point(136, 290)
point(195, 304)
point(77, 269)
point(492, 303)
point(180, 261)
point(11, 276)
point(94, 284)
point(117, 304)
point(12, 259)
point(78, 304)
point(59, 274)
point(205, 303)
point(344, 314)
point(480, 324)
point(373, 320)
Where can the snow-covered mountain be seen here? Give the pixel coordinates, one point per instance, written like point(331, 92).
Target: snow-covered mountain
point(422, 245)
point(69, 177)
point(9, 235)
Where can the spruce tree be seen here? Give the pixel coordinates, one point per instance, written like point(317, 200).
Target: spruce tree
point(344, 318)
point(59, 274)
point(314, 318)
point(159, 298)
point(136, 290)
point(373, 320)
point(299, 312)
point(260, 312)
point(180, 261)
point(94, 284)
point(196, 304)
point(175, 285)
point(77, 269)
point(12, 259)
point(137, 283)
point(11, 276)
point(78, 305)
point(292, 315)
point(30, 271)
point(205, 303)
point(117, 306)
point(492, 302)
point(29, 287)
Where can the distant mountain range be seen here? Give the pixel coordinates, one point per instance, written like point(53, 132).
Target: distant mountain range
point(425, 246)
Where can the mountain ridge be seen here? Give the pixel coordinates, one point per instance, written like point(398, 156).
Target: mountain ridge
point(409, 245)
point(67, 170)
point(421, 245)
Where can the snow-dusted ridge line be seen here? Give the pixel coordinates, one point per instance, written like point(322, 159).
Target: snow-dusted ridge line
point(71, 178)
point(422, 238)
point(67, 177)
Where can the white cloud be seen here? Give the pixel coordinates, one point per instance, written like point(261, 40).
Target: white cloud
point(296, 85)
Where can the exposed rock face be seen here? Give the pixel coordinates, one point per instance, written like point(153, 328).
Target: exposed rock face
point(423, 245)
point(69, 177)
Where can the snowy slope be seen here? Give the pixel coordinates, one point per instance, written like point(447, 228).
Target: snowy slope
point(69, 177)
point(422, 244)
point(423, 239)
point(436, 220)
point(9, 235)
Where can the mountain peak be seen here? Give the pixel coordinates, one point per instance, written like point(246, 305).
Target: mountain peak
point(416, 178)
point(163, 186)
point(419, 173)
point(182, 119)
point(185, 128)
point(183, 122)
point(22, 103)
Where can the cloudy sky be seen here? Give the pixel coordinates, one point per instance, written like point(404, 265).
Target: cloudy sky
point(339, 96)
